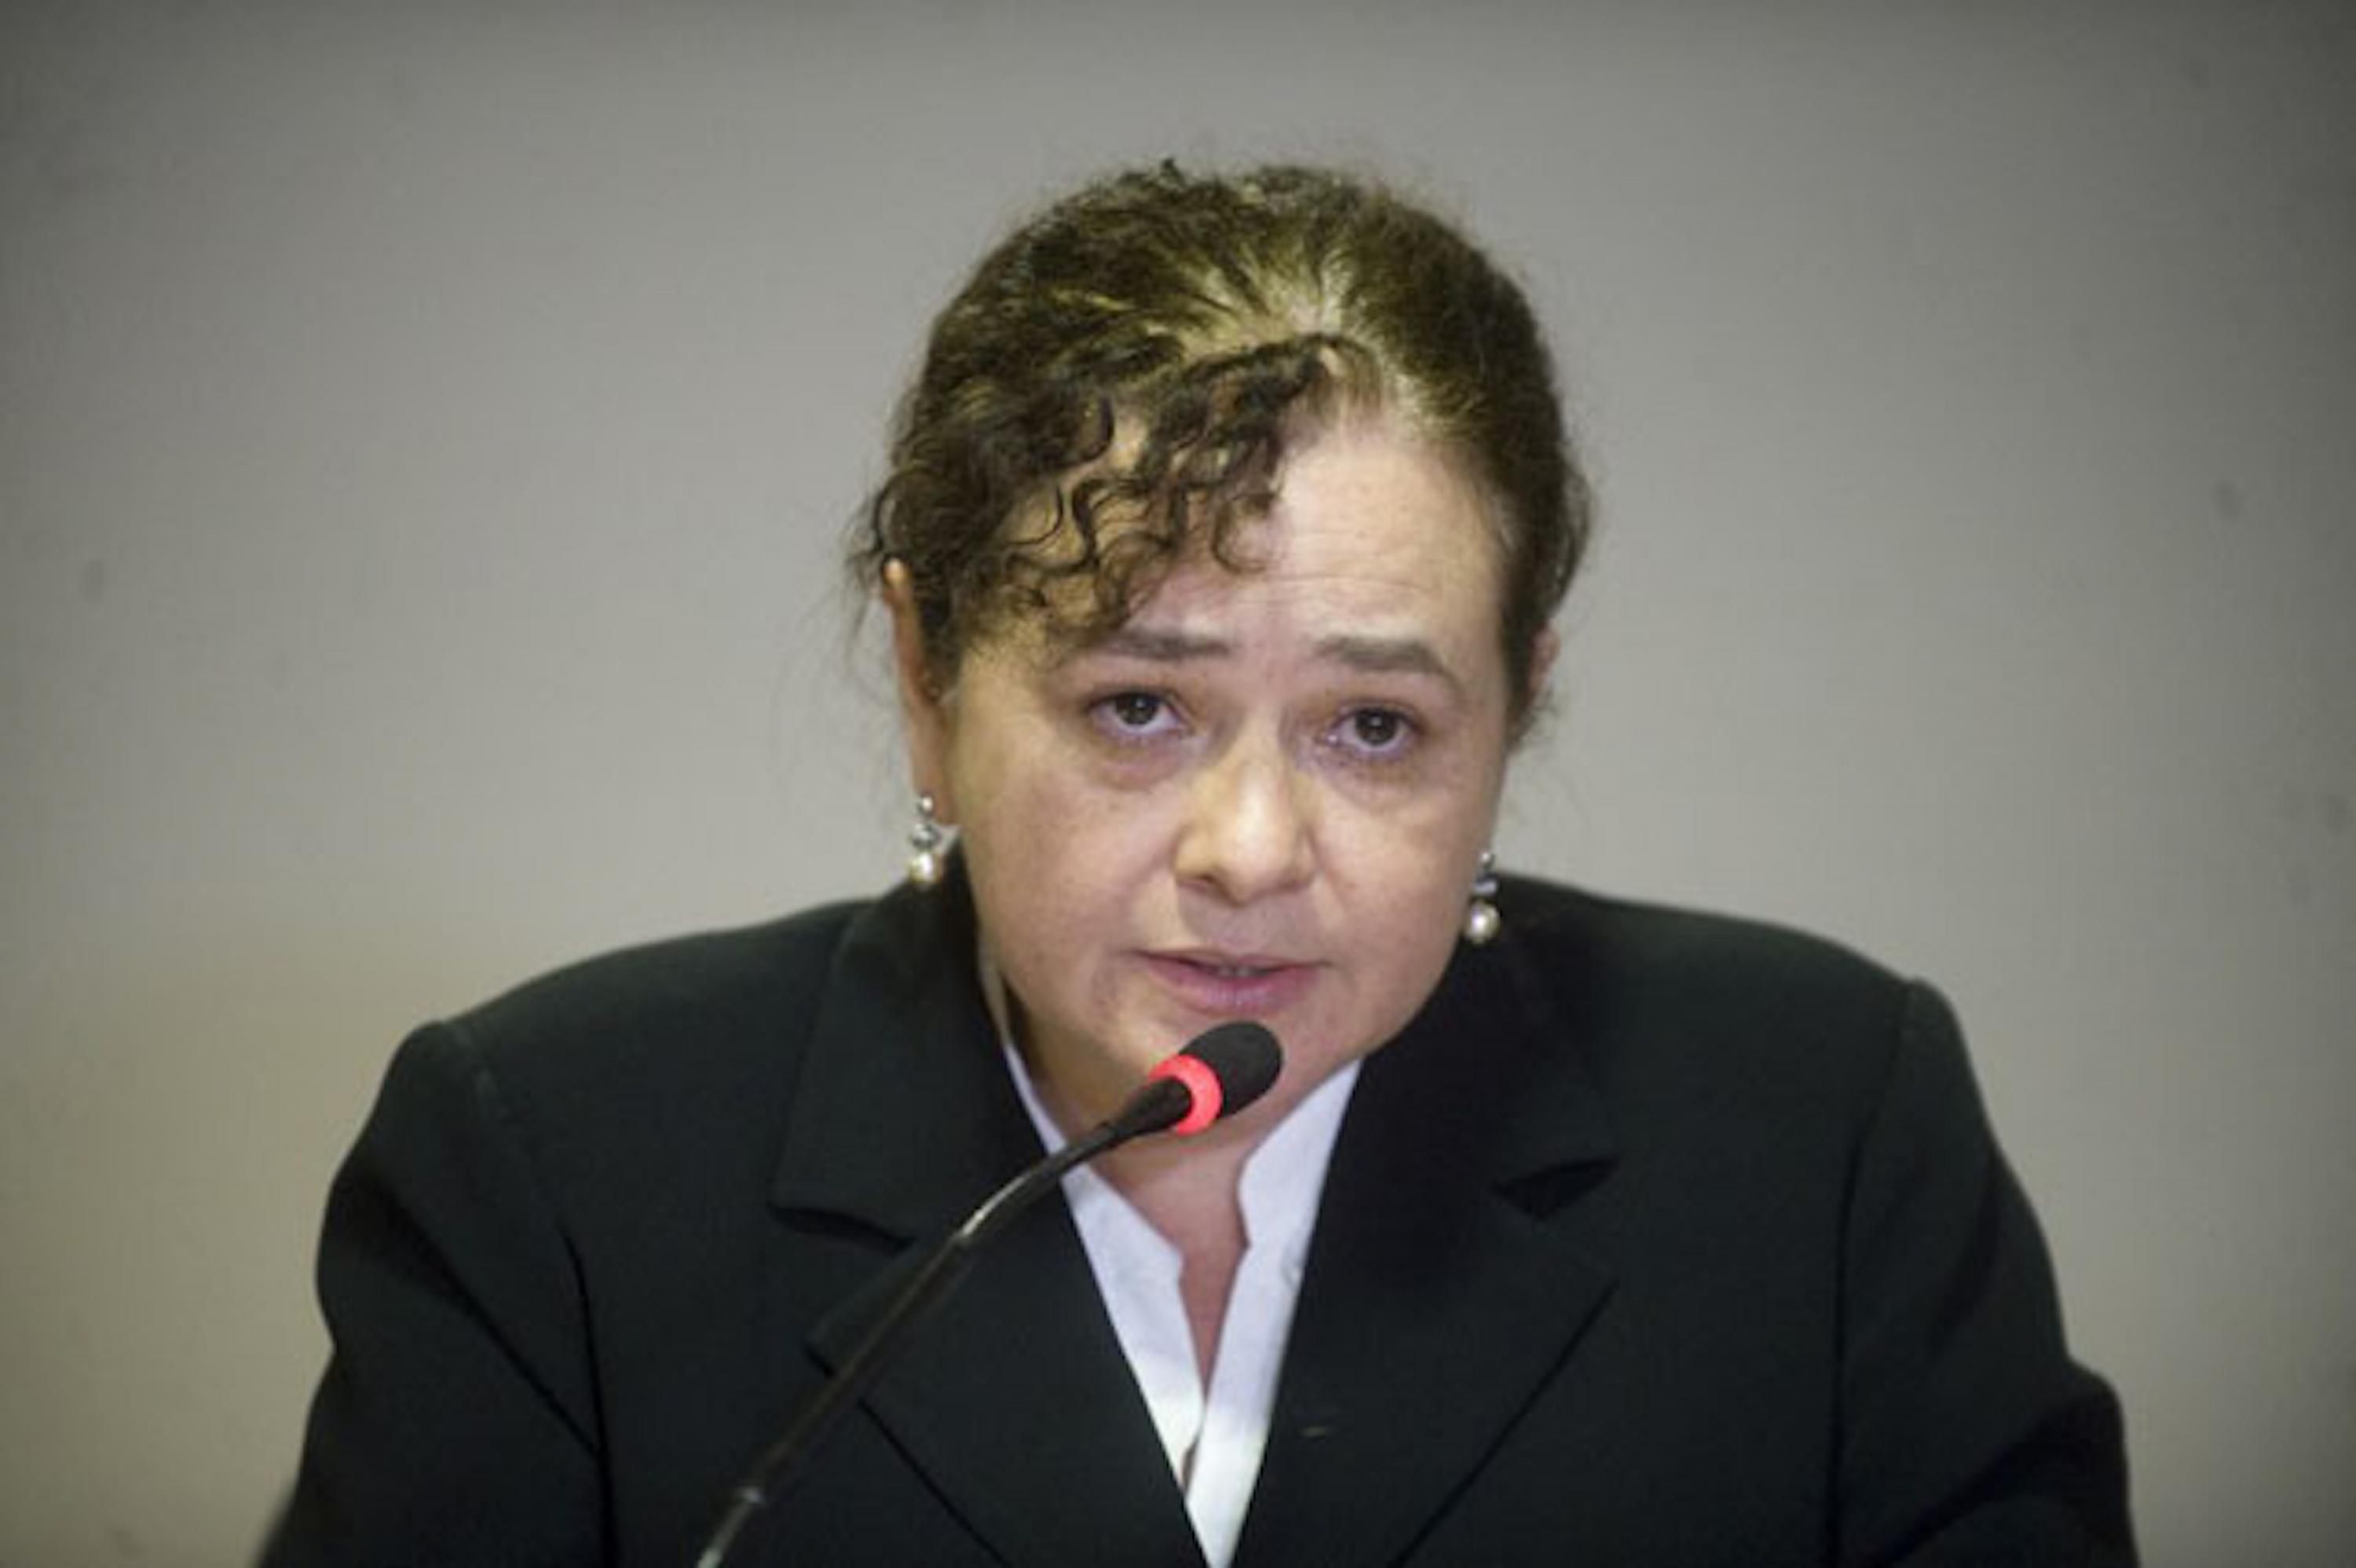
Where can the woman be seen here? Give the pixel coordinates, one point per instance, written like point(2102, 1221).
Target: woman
point(1225, 525)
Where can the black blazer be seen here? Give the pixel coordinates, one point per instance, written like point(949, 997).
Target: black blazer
point(1654, 1239)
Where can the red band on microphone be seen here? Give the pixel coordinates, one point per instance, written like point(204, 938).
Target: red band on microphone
point(1201, 1083)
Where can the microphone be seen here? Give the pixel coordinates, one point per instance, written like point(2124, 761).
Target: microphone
point(1220, 1072)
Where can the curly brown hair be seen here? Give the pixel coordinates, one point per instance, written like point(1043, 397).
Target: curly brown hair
point(1115, 386)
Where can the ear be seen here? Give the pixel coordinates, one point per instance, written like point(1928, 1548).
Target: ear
point(923, 709)
point(1542, 652)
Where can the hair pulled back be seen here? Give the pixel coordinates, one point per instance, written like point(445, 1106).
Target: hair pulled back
point(1113, 389)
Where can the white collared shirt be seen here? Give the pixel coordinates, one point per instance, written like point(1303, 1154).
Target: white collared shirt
point(1213, 1436)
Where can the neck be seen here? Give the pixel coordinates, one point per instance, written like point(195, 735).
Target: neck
point(1190, 1191)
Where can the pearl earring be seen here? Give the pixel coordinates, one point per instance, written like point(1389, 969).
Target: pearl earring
point(1482, 920)
point(926, 860)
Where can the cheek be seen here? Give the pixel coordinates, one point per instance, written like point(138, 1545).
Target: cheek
point(1414, 907)
point(1404, 879)
point(1052, 861)
point(1426, 843)
point(1407, 879)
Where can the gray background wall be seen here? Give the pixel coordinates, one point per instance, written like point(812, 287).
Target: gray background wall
point(423, 431)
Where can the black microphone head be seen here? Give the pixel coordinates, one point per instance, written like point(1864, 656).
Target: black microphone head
point(1243, 1056)
point(1220, 1071)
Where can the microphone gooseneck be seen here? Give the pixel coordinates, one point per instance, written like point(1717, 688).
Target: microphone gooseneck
point(1220, 1072)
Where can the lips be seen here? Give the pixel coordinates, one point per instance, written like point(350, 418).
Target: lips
point(1219, 961)
point(1231, 985)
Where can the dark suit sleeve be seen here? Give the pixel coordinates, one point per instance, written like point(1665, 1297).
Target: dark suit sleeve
point(1968, 1434)
point(455, 1423)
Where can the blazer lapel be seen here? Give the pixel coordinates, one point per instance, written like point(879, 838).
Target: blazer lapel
point(1013, 1398)
point(1437, 1301)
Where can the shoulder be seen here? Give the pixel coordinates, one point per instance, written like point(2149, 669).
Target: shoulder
point(686, 1035)
point(1620, 945)
point(682, 991)
point(1682, 997)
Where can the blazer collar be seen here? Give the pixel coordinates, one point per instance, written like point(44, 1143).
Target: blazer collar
point(1436, 1302)
point(903, 1117)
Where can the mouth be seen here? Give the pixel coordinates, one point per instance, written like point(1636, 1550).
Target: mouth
point(1231, 984)
point(1221, 961)
point(1235, 971)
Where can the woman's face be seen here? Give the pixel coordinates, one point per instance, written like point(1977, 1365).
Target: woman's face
point(1265, 797)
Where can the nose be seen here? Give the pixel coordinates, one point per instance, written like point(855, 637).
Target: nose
point(1249, 815)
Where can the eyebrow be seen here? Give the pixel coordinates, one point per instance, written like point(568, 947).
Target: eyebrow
point(1388, 655)
point(1378, 656)
point(1161, 646)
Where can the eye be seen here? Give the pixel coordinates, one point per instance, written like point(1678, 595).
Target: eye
point(1376, 733)
point(1134, 715)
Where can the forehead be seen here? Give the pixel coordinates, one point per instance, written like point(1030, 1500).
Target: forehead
point(1363, 522)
